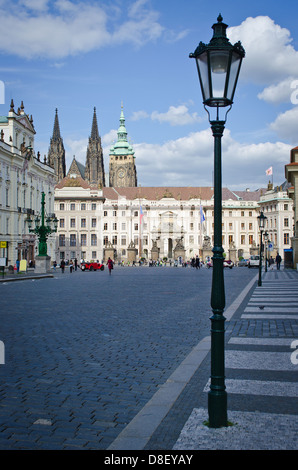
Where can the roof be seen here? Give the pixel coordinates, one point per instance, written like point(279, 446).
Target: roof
point(72, 182)
point(157, 193)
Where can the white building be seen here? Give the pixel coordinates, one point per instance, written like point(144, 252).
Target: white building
point(23, 177)
point(90, 219)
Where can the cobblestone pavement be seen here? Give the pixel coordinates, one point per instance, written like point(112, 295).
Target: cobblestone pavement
point(84, 352)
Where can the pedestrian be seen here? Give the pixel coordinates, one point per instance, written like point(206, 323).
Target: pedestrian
point(110, 265)
point(198, 264)
point(278, 261)
point(54, 265)
point(62, 265)
point(76, 264)
point(271, 262)
point(70, 266)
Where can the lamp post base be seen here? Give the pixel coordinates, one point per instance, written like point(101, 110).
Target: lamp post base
point(42, 264)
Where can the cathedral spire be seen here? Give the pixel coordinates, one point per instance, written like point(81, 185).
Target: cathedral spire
point(94, 129)
point(56, 154)
point(56, 128)
point(94, 170)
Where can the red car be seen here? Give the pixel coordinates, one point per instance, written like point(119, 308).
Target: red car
point(94, 266)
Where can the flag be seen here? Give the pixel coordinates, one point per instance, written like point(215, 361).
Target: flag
point(202, 214)
point(141, 214)
point(269, 171)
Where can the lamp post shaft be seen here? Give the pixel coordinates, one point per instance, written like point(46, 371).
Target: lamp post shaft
point(260, 260)
point(217, 396)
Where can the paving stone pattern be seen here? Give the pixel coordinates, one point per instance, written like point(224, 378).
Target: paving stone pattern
point(84, 352)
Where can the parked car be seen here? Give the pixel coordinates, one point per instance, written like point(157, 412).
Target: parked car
point(226, 264)
point(92, 266)
point(243, 262)
point(254, 261)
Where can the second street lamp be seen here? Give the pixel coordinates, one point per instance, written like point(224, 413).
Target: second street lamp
point(261, 221)
point(218, 66)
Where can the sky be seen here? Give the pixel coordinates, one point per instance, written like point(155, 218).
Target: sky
point(75, 55)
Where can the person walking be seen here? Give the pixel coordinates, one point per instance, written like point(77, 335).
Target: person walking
point(70, 266)
point(278, 261)
point(110, 265)
point(62, 265)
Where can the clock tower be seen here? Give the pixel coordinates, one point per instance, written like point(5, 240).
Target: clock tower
point(122, 171)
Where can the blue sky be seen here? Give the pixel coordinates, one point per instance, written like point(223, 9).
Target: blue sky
point(74, 55)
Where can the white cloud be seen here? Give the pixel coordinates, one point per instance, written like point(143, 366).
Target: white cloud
point(188, 161)
point(270, 57)
point(65, 27)
point(285, 125)
point(278, 93)
point(176, 116)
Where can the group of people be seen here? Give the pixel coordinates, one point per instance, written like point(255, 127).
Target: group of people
point(277, 260)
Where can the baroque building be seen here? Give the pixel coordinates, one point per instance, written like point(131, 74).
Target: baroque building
point(156, 222)
point(23, 178)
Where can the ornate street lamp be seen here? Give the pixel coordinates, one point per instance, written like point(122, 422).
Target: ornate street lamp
point(41, 230)
point(218, 66)
point(261, 221)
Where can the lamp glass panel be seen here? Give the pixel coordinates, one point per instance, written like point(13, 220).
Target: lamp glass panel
point(202, 64)
point(235, 65)
point(219, 61)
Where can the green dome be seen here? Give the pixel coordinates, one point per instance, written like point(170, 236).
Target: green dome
point(122, 147)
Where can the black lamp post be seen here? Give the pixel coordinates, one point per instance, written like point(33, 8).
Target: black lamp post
point(218, 66)
point(266, 235)
point(261, 222)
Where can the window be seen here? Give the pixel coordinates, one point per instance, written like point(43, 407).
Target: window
point(83, 207)
point(83, 239)
point(123, 226)
point(250, 226)
point(230, 239)
point(286, 239)
point(115, 213)
point(136, 226)
point(93, 254)
point(61, 223)
point(105, 226)
point(114, 226)
point(114, 240)
point(93, 223)
point(242, 239)
point(105, 240)
point(286, 207)
point(72, 223)
point(242, 213)
point(72, 206)
point(93, 206)
point(93, 239)
point(250, 239)
point(286, 222)
point(135, 213)
point(250, 214)
point(62, 254)
point(73, 239)
point(242, 226)
point(123, 213)
point(105, 213)
point(61, 240)
point(123, 240)
point(62, 207)
point(83, 223)
point(191, 226)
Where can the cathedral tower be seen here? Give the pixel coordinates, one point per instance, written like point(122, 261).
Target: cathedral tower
point(122, 171)
point(94, 169)
point(56, 154)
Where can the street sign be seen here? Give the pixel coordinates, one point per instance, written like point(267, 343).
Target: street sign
point(270, 246)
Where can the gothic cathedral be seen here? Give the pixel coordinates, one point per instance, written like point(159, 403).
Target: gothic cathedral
point(122, 168)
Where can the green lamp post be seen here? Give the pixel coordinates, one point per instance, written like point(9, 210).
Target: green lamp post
point(41, 230)
point(261, 221)
point(218, 66)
